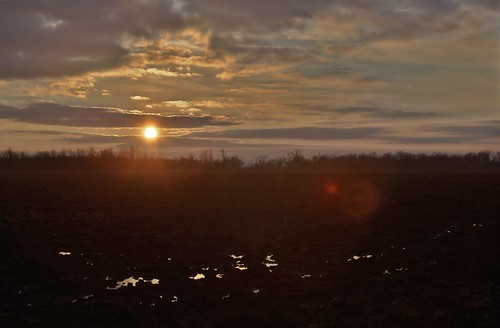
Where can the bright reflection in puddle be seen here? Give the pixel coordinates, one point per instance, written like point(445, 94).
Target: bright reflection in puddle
point(306, 276)
point(174, 300)
point(226, 296)
point(132, 281)
point(356, 257)
point(402, 269)
point(477, 225)
point(83, 298)
point(64, 253)
point(269, 262)
point(240, 266)
point(256, 291)
point(220, 275)
point(198, 276)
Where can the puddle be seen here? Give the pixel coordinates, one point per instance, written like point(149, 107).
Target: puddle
point(269, 262)
point(240, 266)
point(356, 257)
point(198, 276)
point(83, 298)
point(132, 281)
point(64, 253)
point(306, 276)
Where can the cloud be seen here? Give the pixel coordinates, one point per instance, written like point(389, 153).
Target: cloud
point(375, 112)
point(300, 133)
point(473, 131)
point(55, 114)
point(139, 98)
point(54, 38)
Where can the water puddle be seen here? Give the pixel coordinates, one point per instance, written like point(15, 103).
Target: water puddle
point(269, 261)
point(64, 253)
point(240, 266)
point(359, 257)
point(198, 276)
point(84, 298)
point(132, 281)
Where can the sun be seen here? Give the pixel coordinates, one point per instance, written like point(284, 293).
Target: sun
point(151, 133)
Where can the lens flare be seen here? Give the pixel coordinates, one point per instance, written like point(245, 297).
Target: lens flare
point(359, 199)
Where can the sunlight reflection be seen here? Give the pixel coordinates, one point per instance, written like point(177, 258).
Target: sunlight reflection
point(269, 262)
point(132, 281)
point(198, 276)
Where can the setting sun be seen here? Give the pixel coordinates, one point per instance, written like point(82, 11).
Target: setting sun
point(150, 133)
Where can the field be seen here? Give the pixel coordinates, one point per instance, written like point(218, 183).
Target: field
point(249, 249)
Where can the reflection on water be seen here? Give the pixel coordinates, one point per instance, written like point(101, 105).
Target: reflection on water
point(306, 276)
point(198, 276)
point(256, 291)
point(269, 262)
point(64, 253)
point(357, 257)
point(174, 299)
point(132, 281)
point(219, 275)
point(83, 298)
point(240, 266)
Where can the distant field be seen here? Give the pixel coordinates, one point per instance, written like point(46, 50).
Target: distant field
point(275, 249)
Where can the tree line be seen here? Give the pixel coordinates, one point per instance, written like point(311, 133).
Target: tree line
point(132, 158)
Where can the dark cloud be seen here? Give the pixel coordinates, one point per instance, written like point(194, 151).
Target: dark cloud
point(60, 38)
point(482, 133)
point(473, 131)
point(301, 133)
point(53, 38)
point(375, 112)
point(55, 114)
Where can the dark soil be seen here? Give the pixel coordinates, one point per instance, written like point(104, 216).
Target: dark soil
point(352, 250)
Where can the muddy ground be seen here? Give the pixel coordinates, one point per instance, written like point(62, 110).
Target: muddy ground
point(267, 249)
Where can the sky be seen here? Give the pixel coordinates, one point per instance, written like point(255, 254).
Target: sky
point(258, 77)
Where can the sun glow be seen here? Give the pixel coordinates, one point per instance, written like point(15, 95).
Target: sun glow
point(150, 133)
